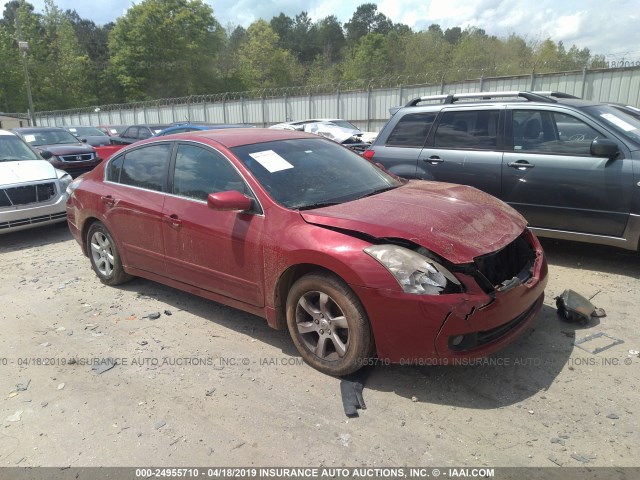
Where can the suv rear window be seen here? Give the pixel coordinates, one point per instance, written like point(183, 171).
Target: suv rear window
point(473, 129)
point(411, 130)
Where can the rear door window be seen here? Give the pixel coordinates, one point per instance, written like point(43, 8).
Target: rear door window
point(146, 167)
point(468, 129)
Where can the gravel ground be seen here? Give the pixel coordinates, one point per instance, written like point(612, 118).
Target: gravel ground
point(204, 384)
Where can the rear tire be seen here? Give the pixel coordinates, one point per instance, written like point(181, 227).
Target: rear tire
point(104, 256)
point(328, 324)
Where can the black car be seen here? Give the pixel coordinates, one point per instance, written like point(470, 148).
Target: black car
point(135, 133)
point(570, 166)
point(62, 149)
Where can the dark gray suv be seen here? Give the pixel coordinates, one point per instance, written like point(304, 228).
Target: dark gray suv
point(570, 166)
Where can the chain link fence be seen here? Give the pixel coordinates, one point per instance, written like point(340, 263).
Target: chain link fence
point(365, 103)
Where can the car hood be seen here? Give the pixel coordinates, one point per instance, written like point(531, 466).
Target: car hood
point(67, 149)
point(25, 171)
point(456, 222)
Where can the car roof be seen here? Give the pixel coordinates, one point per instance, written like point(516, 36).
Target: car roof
point(234, 137)
point(501, 97)
point(36, 129)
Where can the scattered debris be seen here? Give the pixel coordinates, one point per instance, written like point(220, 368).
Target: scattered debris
point(159, 424)
point(555, 460)
point(351, 387)
point(582, 458)
point(104, 365)
point(22, 386)
point(613, 416)
point(61, 386)
point(143, 342)
point(13, 394)
point(15, 417)
point(60, 329)
point(573, 307)
point(557, 440)
point(152, 316)
point(20, 460)
point(634, 352)
point(44, 404)
point(45, 344)
point(168, 313)
point(580, 343)
point(210, 392)
point(414, 399)
point(344, 439)
point(71, 361)
point(175, 441)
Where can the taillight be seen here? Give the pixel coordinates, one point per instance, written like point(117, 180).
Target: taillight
point(368, 154)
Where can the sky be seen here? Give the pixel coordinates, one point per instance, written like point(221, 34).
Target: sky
point(608, 27)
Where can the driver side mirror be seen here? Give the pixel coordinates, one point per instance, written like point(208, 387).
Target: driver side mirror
point(603, 147)
point(46, 154)
point(229, 201)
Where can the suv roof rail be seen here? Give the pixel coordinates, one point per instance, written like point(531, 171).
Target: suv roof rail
point(555, 94)
point(454, 97)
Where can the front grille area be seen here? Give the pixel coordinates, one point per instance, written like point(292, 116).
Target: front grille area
point(32, 220)
point(514, 260)
point(83, 157)
point(27, 194)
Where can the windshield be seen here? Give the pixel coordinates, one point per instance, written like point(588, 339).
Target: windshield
point(308, 173)
point(622, 123)
point(13, 148)
point(49, 137)
point(87, 132)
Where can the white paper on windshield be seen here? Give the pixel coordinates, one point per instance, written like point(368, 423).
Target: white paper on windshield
point(271, 161)
point(73, 130)
point(30, 138)
point(618, 121)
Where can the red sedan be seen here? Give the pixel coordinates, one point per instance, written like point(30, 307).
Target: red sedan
point(297, 229)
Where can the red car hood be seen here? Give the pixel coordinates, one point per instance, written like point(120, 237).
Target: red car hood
point(453, 221)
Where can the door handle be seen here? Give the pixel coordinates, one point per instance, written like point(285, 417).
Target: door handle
point(521, 165)
point(108, 200)
point(173, 220)
point(433, 160)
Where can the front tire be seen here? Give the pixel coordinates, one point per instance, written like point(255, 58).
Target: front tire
point(328, 324)
point(104, 256)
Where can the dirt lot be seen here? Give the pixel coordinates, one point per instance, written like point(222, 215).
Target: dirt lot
point(209, 385)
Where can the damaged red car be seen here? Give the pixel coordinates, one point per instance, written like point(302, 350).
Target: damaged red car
point(357, 264)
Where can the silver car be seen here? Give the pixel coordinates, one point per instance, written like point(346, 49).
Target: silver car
point(32, 191)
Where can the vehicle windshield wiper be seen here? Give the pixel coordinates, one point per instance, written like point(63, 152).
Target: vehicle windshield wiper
point(317, 205)
point(375, 192)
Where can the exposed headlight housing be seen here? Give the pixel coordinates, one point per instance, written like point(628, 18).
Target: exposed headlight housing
point(414, 272)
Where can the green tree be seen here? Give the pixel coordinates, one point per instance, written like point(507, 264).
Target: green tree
point(330, 38)
point(366, 19)
point(64, 82)
point(368, 59)
point(166, 48)
point(262, 63)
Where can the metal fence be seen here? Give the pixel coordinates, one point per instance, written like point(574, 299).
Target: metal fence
point(365, 103)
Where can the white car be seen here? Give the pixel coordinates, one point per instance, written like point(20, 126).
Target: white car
point(329, 127)
point(32, 191)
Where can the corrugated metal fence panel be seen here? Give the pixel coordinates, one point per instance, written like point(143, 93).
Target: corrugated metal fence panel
point(276, 111)
point(297, 108)
point(506, 84)
point(368, 109)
